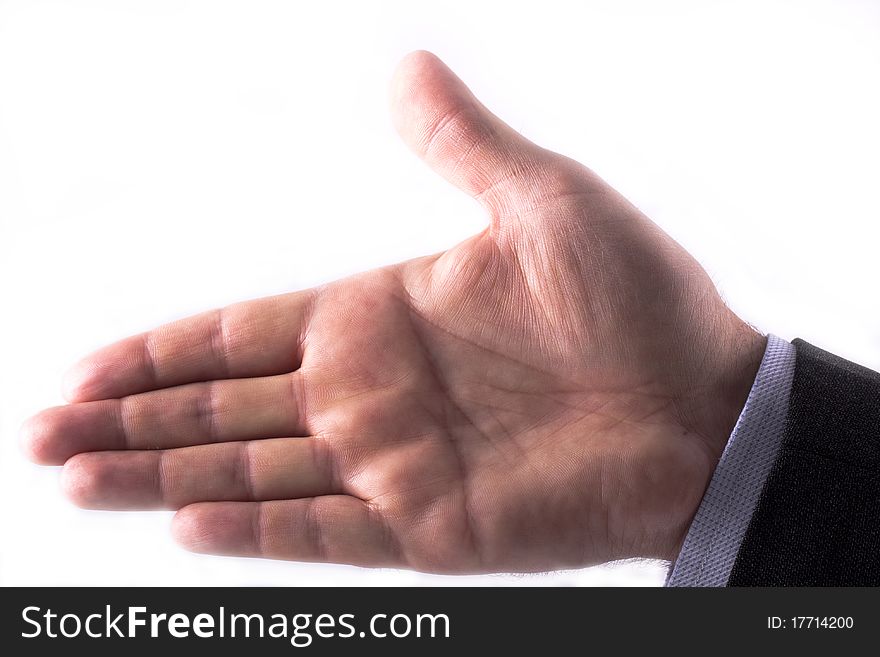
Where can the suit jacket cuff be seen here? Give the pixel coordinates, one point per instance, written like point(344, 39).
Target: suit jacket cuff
point(716, 533)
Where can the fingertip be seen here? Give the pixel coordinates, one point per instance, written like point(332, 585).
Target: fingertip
point(210, 528)
point(36, 439)
point(188, 528)
point(76, 382)
point(415, 59)
point(421, 78)
point(31, 437)
point(79, 482)
point(184, 527)
point(418, 62)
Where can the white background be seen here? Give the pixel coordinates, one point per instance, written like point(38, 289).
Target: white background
point(159, 158)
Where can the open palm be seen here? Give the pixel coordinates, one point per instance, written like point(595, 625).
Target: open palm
point(553, 392)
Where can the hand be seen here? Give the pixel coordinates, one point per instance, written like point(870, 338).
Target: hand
point(553, 392)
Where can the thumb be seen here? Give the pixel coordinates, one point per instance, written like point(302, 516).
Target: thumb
point(443, 122)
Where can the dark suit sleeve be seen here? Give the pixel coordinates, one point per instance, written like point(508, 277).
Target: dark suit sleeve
point(817, 520)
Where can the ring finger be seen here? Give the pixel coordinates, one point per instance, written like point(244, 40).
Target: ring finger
point(254, 470)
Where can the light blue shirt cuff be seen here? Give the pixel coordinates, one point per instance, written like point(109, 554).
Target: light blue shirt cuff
point(716, 533)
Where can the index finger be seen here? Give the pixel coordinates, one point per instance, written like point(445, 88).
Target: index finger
point(253, 338)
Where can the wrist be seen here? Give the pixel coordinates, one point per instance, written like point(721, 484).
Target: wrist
point(739, 362)
point(714, 412)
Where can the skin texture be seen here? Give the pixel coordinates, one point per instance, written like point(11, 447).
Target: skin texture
point(553, 392)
